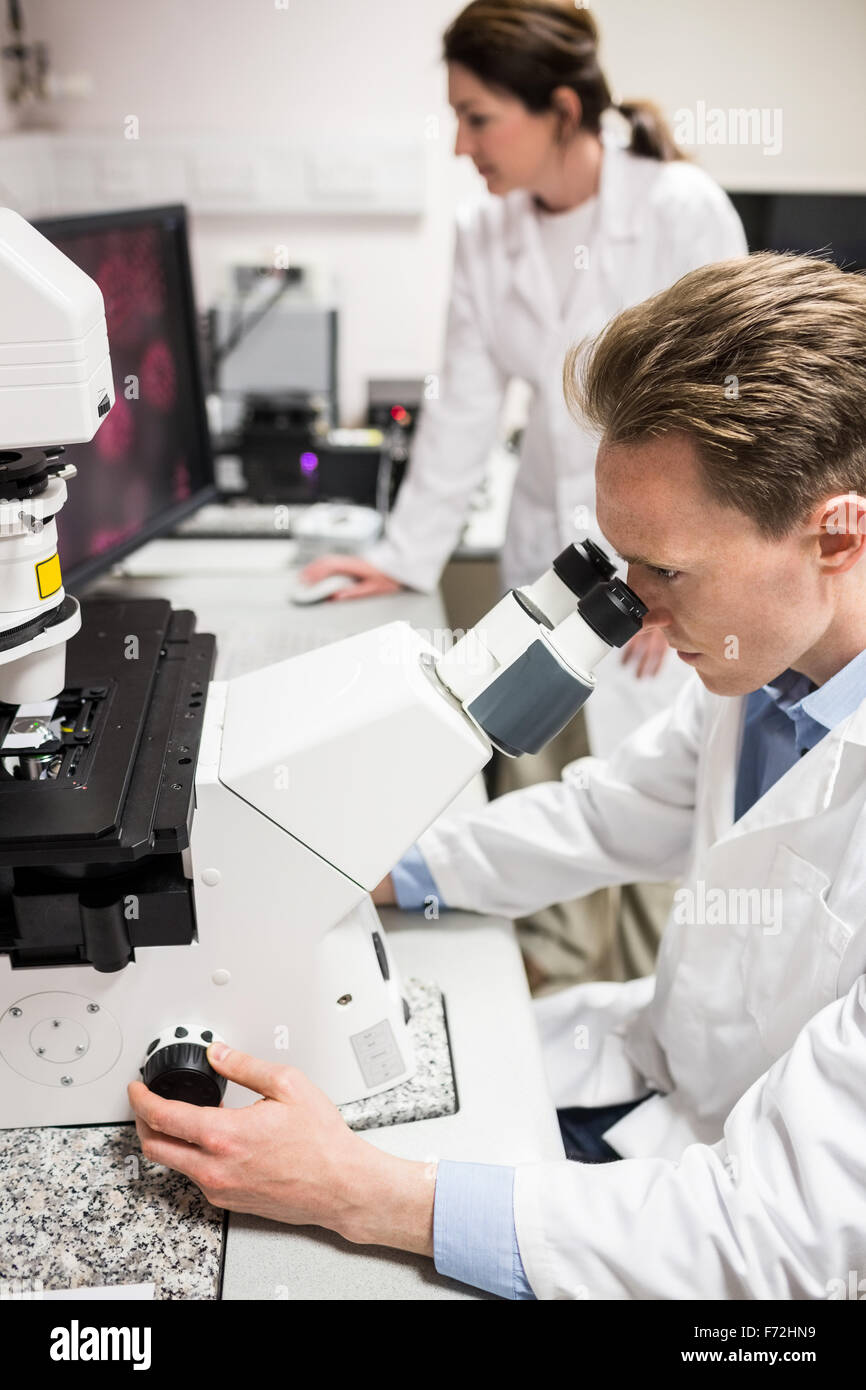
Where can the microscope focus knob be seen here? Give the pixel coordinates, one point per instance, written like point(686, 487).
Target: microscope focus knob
point(181, 1071)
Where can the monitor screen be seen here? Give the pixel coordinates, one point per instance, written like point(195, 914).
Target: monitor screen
point(833, 224)
point(150, 462)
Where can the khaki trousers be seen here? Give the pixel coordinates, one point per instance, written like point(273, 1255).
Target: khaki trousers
point(612, 934)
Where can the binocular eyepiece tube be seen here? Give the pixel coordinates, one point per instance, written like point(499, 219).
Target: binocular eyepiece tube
point(524, 671)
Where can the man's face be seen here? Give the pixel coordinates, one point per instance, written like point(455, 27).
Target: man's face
point(737, 606)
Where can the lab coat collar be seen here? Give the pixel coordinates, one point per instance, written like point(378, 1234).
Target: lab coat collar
point(528, 270)
point(619, 212)
point(804, 791)
point(814, 709)
point(617, 222)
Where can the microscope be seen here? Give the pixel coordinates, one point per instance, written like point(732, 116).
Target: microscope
point(184, 860)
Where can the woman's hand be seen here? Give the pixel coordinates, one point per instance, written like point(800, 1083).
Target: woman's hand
point(288, 1157)
point(648, 650)
point(370, 581)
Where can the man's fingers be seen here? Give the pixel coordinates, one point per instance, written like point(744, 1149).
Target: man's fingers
point(268, 1079)
point(171, 1153)
point(192, 1123)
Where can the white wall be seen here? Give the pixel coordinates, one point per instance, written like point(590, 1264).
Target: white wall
point(319, 69)
point(805, 58)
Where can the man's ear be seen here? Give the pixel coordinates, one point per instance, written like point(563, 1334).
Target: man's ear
point(841, 525)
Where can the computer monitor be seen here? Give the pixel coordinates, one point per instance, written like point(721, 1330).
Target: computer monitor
point(150, 464)
point(831, 223)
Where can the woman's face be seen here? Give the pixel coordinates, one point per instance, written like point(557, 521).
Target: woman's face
point(510, 146)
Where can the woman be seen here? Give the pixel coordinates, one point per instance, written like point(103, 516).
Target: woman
point(579, 226)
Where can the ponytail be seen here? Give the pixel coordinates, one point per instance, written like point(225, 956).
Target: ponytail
point(651, 135)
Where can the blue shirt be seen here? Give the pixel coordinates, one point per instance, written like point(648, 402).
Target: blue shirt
point(474, 1236)
point(414, 885)
point(785, 719)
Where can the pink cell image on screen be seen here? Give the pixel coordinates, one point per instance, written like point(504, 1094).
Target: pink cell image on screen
point(115, 278)
point(147, 273)
point(181, 482)
point(108, 537)
point(133, 286)
point(145, 460)
point(115, 437)
point(158, 376)
point(136, 501)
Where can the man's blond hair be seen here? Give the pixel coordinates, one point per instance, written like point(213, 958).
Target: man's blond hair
point(761, 361)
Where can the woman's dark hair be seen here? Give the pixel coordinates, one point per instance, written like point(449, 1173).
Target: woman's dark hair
point(531, 47)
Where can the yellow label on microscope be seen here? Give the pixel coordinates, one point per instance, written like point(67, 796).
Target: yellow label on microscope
point(48, 576)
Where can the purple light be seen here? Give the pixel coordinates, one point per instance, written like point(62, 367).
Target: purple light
point(309, 463)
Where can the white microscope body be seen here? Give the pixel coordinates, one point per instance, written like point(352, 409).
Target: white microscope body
point(313, 776)
point(55, 389)
point(308, 788)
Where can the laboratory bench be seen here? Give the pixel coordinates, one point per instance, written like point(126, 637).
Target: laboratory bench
point(82, 1207)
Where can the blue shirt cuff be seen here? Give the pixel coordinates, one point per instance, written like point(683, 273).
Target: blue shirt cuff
point(474, 1236)
point(414, 885)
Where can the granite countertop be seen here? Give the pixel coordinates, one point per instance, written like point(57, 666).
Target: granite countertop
point(82, 1207)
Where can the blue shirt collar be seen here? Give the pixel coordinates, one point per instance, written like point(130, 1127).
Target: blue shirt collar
point(816, 709)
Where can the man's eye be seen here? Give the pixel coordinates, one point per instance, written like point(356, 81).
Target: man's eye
point(477, 121)
point(666, 575)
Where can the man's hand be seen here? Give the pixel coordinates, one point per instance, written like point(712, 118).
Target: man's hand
point(648, 650)
point(383, 894)
point(289, 1157)
point(370, 581)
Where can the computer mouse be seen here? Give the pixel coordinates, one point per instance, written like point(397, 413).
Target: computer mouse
point(315, 593)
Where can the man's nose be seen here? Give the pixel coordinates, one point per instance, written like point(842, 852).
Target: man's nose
point(657, 617)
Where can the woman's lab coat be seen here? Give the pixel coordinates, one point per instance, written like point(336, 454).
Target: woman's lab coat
point(655, 221)
point(751, 1172)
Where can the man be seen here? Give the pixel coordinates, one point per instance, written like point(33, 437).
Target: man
point(732, 478)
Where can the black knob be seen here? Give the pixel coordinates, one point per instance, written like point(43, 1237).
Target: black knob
point(182, 1071)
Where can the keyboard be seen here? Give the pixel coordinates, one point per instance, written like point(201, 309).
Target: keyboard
point(192, 556)
point(244, 520)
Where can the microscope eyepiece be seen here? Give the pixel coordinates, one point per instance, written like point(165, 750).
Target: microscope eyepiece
point(614, 611)
point(581, 567)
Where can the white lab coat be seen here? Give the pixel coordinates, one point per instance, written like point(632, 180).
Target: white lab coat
point(655, 221)
point(749, 1171)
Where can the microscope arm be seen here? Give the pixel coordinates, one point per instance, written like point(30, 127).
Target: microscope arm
point(352, 749)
